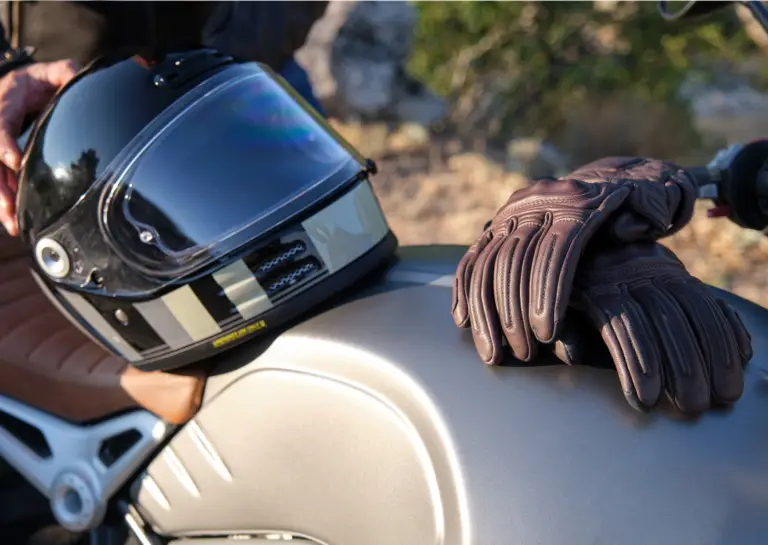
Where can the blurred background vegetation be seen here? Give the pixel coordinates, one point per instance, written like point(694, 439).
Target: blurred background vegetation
point(586, 79)
point(550, 69)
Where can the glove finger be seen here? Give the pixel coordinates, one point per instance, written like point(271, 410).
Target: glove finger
point(483, 317)
point(632, 342)
point(740, 332)
point(686, 382)
point(552, 272)
point(716, 339)
point(580, 343)
point(461, 281)
point(565, 235)
point(512, 276)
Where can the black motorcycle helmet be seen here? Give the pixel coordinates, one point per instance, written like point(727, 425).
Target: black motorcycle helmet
point(178, 204)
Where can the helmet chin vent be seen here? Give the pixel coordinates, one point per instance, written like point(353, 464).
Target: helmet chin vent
point(285, 264)
point(285, 255)
point(291, 276)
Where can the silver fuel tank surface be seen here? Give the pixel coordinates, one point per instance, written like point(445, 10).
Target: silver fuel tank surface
point(375, 423)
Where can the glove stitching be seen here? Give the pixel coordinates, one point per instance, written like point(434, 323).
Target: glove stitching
point(631, 270)
point(471, 306)
point(485, 313)
point(530, 223)
point(608, 332)
point(542, 294)
point(631, 339)
point(572, 214)
point(512, 225)
point(539, 200)
point(510, 323)
point(569, 220)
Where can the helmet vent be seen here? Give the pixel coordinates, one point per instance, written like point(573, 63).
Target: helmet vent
point(284, 257)
point(284, 265)
point(290, 277)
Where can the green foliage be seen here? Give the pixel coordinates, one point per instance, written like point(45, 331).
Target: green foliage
point(518, 67)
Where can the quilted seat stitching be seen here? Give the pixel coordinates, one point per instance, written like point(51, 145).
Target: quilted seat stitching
point(52, 338)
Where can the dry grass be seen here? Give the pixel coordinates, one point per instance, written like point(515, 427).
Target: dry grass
point(432, 192)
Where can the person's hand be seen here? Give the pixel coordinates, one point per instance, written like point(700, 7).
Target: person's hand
point(666, 331)
point(515, 281)
point(23, 92)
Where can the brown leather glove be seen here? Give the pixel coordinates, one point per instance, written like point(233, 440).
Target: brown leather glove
point(665, 330)
point(517, 277)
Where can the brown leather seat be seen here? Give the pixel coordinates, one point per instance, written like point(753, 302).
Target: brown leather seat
point(46, 362)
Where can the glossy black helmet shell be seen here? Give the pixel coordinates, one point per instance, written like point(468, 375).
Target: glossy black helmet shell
point(181, 205)
point(93, 118)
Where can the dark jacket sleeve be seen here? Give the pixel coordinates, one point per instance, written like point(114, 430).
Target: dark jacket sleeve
point(11, 60)
point(5, 45)
point(5, 14)
point(268, 32)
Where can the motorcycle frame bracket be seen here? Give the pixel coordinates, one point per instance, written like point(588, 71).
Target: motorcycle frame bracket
point(66, 461)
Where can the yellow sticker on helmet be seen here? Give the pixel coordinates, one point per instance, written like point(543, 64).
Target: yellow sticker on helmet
point(239, 334)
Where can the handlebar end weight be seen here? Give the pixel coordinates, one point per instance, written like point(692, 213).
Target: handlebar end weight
point(744, 186)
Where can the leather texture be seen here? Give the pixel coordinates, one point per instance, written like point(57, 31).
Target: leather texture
point(665, 330)
point(48, 363)
point(515, 281)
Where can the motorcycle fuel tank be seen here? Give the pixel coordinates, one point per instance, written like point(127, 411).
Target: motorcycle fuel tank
point(374, 422)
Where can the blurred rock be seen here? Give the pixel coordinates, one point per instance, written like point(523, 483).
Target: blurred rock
point(447, 204)
point(413, 102)
point(535, 158)
point(315, 55)
point(356, 56)
point(727, 114)
point(370, 139)
point(408, 137)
